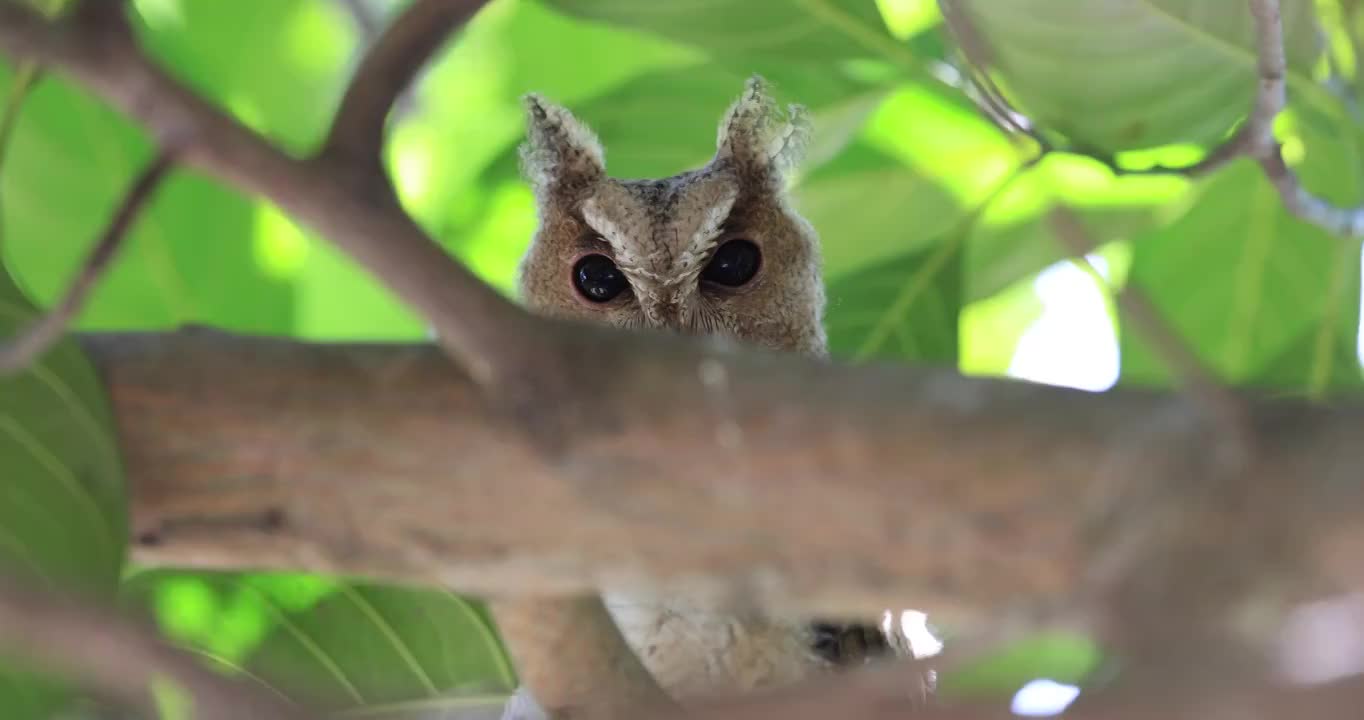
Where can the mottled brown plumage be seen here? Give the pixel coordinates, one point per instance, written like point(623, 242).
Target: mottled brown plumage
point(657, 240)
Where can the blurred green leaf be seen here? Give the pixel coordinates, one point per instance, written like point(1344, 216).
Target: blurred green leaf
point(289, 81)
point(63, 522)
point(898, 210)
point(900, 292)
point(903, 309)
point(1062, 658)
point(802, 30)
point(1245, 285)
point(1014, 240)
point(341, 646)
point(992, 328)
point(1136, 73)
point(191, 255)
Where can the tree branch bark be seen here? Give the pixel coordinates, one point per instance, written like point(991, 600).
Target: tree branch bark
point(880, 693)
point(823, 489)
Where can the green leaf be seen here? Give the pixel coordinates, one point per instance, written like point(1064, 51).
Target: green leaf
point(943, 140)
point(1245, 285)
point(900, 291)
point(63, 522)
point(815, 31)
point(286, 85)
point(1059, 657)
point(365, 649)
point(1014, 240)
point(991, 329)
point(190, 256)
point(899, 210)
point(1136, 73)
point(199, 252)
point(905, 309)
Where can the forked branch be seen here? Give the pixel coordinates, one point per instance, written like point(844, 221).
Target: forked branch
point(485, 332)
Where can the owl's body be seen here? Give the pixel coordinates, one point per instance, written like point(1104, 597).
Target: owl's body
point(694, 650)
point(711, 251)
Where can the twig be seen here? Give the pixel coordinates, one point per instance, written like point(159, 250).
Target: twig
point(118, 658)
point(991, 99)
point(1261, 145)
point(1223, 406)
point(387, 70)
point(21, 351)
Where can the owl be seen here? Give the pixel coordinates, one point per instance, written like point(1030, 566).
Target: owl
point(718, 250)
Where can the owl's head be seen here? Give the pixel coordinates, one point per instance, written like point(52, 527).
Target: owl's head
point(717, 250)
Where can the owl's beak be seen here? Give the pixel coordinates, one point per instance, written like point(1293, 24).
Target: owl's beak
point(670, 314)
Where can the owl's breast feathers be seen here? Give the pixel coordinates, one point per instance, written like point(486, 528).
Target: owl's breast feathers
point(695, 651)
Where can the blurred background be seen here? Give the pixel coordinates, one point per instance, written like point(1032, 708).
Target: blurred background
point(937, 231)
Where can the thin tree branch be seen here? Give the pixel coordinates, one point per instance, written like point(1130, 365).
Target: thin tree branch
point(495, 340)
point(1224, 407)
point(1269, 101)
point(387, 70)
point(117, 658)
point(1254, 138)
point(976, 54)
point(21, 351)
point(370, 24)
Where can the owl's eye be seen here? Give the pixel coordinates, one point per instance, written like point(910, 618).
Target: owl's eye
point(734, 263)
point(598, 278)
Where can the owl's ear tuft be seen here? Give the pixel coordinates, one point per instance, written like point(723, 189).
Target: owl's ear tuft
point(762, 141)
point(560, 153)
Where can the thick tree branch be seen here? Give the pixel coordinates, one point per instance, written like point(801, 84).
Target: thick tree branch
point(387, 70)
point(880, 693)
point(117, 658)
point(830, 490)
point(18, 353)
